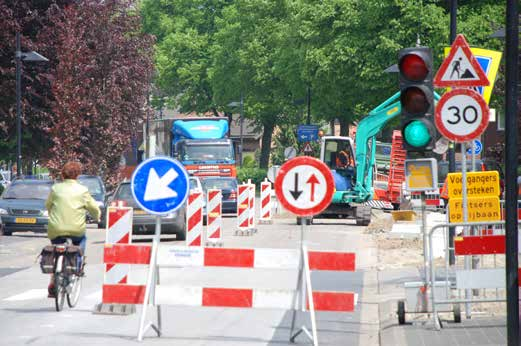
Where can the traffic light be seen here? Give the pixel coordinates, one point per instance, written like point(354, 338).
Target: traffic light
point(417, 99)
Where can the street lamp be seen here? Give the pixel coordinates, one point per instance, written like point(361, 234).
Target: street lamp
point(241, 117)
point(19, 56)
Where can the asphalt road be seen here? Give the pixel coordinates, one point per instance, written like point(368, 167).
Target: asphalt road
point(28, 317)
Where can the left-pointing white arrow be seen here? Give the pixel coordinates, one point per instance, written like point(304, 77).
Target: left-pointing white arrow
point(157, 188)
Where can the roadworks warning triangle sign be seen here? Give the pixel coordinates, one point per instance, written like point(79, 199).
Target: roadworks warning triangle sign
point(460, 68)
point(307, 148)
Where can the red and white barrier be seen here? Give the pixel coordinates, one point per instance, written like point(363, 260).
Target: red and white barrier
point(194, 218)
point(119, 230)
point(125, 254)
point(214, 216)
point(265, 209)
point(171, 256)
point(243, 213)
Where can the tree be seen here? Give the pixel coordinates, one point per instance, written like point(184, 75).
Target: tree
point(185, 35)
point(28, 18)
point(101, 84)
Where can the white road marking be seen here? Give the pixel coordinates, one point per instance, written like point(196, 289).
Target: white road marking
point(28, 295)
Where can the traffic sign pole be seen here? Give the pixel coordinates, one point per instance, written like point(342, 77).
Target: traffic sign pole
point(465, 218)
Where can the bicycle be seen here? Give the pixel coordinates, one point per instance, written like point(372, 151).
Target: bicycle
point(67, 267)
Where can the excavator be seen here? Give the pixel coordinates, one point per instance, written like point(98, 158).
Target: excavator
point(354, 183)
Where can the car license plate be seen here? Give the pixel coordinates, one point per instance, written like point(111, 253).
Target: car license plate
point(25, 220)
point(139, 212)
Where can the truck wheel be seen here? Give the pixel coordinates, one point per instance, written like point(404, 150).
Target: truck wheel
point(299, 221)
point(401, 312)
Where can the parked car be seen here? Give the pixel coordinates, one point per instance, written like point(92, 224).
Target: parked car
point(96, 188)
point(142, 221)
point(228, 187)
point(22, 206)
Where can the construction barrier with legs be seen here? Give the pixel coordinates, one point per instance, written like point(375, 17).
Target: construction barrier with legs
point(302, 297)
point(479, 273)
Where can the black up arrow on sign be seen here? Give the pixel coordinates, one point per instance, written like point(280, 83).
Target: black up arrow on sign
point(296, 192)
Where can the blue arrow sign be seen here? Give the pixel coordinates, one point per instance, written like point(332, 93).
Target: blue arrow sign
point(307, 133)
point(160, 185)
point(477, 148)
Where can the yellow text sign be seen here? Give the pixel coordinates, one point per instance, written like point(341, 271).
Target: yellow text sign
point(478, 184)
point(421, 175)
point(479, 209)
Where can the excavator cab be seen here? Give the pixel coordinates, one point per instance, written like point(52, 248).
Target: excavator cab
point(338, 154)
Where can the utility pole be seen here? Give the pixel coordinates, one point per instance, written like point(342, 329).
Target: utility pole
point(511, 161)
point(18, 58)
point(309, 105)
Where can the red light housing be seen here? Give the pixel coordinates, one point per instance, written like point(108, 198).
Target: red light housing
point(414, 100)
point(413, 67)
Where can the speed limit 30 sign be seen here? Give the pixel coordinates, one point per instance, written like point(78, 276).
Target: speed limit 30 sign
point(461, 115)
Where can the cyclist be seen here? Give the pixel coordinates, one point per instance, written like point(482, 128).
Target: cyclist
point(67, 204)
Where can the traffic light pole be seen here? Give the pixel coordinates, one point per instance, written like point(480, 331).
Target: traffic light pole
point(451, 154)
point(511, 162)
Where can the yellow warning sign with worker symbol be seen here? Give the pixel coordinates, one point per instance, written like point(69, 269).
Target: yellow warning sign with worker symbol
point(489, 61)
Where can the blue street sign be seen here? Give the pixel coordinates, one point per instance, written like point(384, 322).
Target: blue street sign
point(160, 185)
point(477, 148)
point(307, 133)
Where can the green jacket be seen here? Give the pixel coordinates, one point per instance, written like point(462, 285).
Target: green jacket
point(67, 204)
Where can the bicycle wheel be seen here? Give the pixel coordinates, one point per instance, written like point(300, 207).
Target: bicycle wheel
point(74, 288)
point(59, 298)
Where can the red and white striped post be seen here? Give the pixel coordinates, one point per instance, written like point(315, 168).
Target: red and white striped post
point(251, 207)
point(194, 218)
point(243, 195)
point(119, 231)
point(265, 209)
point(214, 216)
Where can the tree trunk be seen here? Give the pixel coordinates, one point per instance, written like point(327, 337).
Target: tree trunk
point(266, 144)
point(344, 127)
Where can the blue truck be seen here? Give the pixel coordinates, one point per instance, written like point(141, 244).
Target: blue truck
point(203, 147)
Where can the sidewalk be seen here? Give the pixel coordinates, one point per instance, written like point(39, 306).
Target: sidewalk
point(400, 261)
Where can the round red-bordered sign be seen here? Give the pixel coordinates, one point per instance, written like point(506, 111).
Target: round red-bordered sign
point(461, 115)
point(304, 186)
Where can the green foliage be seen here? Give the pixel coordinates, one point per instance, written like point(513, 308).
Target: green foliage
point(249, 161)
point(212, 51)
point(256, 175)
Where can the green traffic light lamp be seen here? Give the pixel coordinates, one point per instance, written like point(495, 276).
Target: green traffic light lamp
point(417, 134)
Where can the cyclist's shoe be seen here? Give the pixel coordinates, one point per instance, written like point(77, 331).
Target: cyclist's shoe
point(51, 291)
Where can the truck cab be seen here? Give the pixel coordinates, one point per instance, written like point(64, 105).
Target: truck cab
point(202, 146)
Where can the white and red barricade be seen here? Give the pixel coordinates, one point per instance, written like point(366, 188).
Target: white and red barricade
point(251, 206)
point(265, 203)
point(194, 218)
point(172, 256)
point(243, 213)
point(119, 231)
point(214, 216)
